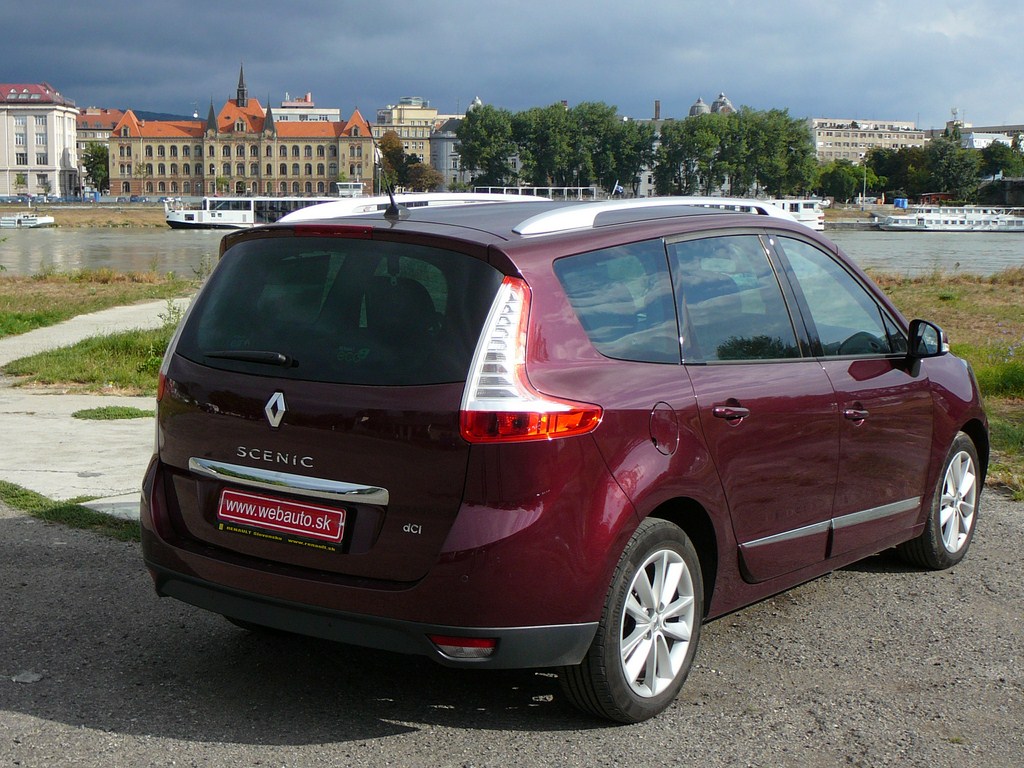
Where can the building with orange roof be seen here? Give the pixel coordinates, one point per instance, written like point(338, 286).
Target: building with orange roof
point(37, 152)
point(240, 150)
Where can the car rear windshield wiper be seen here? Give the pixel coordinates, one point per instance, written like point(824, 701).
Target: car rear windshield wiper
point(254, 356)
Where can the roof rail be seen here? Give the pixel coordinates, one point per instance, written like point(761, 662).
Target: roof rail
point(355, 206)
point(585, 216)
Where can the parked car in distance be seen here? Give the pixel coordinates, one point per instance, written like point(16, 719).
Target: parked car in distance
point(547, 435)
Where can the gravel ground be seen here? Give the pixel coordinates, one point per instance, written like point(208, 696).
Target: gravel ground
point(874, 665)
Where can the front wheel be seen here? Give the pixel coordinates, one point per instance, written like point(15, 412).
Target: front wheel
point(954, 510)
point(649, 629)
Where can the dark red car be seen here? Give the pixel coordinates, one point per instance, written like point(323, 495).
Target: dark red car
point(547, 435)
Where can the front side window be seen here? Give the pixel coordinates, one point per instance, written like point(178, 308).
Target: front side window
point(622, 297)
point(847, 319)
point(730, 302)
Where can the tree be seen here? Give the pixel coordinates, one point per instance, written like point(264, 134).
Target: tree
point(998, 158)
point(633, 151)
point(420, 177)
point(544, 140)
point(485, 145)
point(953, 169)
point(392, 158)
point(95, 161)
point(839, 180)
point(591, 155)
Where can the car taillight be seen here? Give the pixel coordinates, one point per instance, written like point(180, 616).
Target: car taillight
point(500, 404)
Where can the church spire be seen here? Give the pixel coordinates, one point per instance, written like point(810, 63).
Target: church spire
point(243, 92)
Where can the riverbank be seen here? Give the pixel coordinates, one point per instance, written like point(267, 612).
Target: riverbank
point(96, 214)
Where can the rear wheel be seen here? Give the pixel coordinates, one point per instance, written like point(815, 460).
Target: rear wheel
point(648, 633)
point(954, 510)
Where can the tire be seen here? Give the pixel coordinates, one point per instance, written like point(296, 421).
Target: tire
point(954, 511)
point(648, 633)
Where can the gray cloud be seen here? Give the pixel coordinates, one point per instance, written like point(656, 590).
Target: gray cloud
point(910, 60)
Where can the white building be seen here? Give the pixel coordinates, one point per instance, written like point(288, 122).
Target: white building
point(38, 153)
point(303, 110)
point(982, 139)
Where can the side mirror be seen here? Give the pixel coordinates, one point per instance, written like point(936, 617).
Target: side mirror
point(926, 340)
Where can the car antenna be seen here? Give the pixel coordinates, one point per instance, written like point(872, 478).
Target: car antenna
point(393, 212)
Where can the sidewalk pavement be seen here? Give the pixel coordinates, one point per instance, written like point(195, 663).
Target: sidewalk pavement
point(43, 448)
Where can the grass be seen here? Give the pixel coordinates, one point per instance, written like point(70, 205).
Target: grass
point(112, 413)
point(983, 318)
point(70, 513)
point(27, 303)
point(120, 363)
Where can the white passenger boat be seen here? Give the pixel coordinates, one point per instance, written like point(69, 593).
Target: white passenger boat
point(949, 218)
point(25, 220)
point(363, 205)
point(234, 212)
point(808, 211)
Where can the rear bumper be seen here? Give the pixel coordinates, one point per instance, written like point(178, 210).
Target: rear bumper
point(517, 647)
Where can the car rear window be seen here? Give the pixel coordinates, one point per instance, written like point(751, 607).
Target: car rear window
point(341, 311)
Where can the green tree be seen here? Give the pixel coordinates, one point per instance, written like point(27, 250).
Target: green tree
point(421, 177)
point(392, 158)
point(95, 161)
point(593, 126)
point(485, 145)
point(691, 158)
point(544, 138)
point(953, 169)
point(842, 180)
point(633, 151)
point(998, 158)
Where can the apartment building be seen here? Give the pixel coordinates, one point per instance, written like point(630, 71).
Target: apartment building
point(38, 155)
point(846, 139)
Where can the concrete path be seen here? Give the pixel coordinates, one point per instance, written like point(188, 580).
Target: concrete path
point(43, 448)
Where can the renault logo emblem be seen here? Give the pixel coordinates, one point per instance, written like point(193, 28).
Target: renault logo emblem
point(275, 409)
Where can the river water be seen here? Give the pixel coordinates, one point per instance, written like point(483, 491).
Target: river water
point(188, 252)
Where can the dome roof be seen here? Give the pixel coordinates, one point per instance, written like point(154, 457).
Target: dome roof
point(699, 108)
point(722, 105)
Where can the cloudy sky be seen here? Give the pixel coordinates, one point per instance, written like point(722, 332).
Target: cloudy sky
point(871, 59)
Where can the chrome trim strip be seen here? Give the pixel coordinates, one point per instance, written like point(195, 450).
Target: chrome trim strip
point(314, 487)
point(854, 518)
point(876, 513)
point(796, 533)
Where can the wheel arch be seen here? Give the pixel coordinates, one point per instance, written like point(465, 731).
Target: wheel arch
point(689, 515)
point(978, 433)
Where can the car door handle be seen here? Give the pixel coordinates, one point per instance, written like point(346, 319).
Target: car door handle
point(855, 414)
point(731, 413)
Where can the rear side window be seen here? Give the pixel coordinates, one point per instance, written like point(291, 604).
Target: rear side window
point(623, 299)
point(341, 311)
point(731, 303)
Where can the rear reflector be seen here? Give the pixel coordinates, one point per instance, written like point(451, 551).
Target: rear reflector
point(465, 647)
point(500, 404)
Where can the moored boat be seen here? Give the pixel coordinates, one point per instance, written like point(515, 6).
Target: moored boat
point(808, 211)
point(234, 212)
point(26, 220)
point(948, 218)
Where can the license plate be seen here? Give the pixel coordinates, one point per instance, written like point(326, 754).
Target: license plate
point(291, 518)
